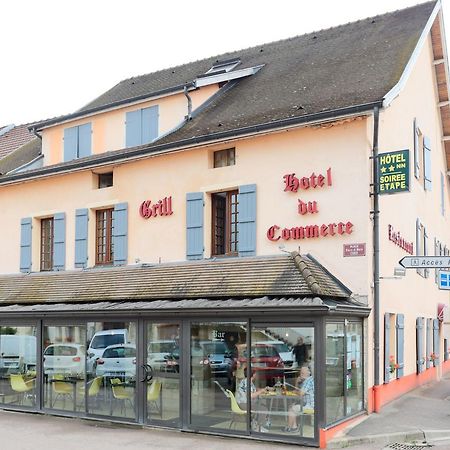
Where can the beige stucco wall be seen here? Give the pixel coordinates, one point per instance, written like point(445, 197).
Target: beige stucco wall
point(262, 160)
point(108, 128)
point(413, 295)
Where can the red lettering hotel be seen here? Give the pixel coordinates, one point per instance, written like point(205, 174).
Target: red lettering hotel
point(239, 216)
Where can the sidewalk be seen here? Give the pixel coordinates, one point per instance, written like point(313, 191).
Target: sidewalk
point(421, 415)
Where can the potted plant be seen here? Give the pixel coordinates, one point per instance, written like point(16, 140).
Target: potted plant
point(393, 366)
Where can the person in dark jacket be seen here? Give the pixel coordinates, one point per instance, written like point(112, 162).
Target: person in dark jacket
point(300, 352)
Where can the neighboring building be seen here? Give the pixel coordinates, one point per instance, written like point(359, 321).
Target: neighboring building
point(175, 224)
point(20, 149)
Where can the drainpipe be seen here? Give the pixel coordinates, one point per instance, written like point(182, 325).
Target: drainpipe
point(376, 260)
point(186, 93)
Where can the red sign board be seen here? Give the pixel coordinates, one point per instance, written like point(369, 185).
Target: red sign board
point(354, 249)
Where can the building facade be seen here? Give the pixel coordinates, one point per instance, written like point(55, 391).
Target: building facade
point(173, 226)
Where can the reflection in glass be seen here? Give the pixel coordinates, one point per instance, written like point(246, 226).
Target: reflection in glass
point(64, 362)
point(354, 383)
point(282, 380)
point(111, 369)
point(163, 373)
point(216, 372)
point(18, 365)
point(335, 340)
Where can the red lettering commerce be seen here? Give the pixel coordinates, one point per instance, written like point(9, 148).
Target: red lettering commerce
point(275, 233)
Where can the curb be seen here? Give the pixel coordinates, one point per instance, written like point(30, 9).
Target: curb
point(389, 438)
point(382, 439)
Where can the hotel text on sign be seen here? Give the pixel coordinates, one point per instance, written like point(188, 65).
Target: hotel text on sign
point(393, 172)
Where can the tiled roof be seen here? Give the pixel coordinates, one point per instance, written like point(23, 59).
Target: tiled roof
point(198, 305)
point(304, 78)
point(23, 155)
point(352, 64)
point(15, 138)
point(285, 275)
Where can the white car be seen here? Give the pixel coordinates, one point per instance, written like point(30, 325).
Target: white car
point(65, 359)
point(100, 341)
point(117, 361)
point(159, 353)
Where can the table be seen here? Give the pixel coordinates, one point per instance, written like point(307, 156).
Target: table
point(284, 400)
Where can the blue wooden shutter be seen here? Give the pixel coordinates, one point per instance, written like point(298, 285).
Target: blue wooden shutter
point(416, 150)
point(84, 140)
point(81, 237)
point(247, 220)
point(419, 244)
point(70, 143)
point(120, 234)
point(425, 251)
point(59, 241)
point(194, 225)
point(150, 126)
point(400, 326)
point(427, 163)
point(133, 128)
point(419, 344)
point(436, 342)
point(429, 330)
point(25, 245)
point(387, 332)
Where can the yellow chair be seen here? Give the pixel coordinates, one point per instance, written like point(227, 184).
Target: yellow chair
point(123, 394)
point(62, 389)
point(94, 387)
point(154, 397)
point(19, 385)
point(237, 411)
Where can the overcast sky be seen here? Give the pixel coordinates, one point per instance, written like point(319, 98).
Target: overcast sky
point(56, 56)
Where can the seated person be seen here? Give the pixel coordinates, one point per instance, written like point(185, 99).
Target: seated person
point(305, 384)
point(260, 418)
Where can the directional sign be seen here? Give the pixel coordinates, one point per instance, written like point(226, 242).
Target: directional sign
point(444, 280)
point(424, 262)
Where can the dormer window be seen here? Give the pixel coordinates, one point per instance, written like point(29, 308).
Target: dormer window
point(224, 66)
point(142, 126)
point(77, 142)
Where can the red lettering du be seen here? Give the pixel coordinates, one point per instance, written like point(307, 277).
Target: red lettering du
point(307, 208)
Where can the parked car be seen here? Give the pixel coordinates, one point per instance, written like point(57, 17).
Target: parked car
point(100, 341)
point(159, 352)
point(218, 357)
point(265, 360)
point(117, 361)
point(65, 359)
point(17, 353)
point(283, 350)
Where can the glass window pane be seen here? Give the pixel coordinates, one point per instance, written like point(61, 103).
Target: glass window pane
point(163, 369)
point(282, 380)
point(354, 368)
point(64, 362)
point(217, 370)
point(334, 371)
point(111, 369)
point(18, 365)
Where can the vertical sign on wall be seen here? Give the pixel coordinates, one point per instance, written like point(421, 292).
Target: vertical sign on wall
point(393, 172)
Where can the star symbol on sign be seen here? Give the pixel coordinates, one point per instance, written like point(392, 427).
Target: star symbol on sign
point(391, 168)
point(383, 169)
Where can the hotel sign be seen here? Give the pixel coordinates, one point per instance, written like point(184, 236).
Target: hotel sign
point(393, 172)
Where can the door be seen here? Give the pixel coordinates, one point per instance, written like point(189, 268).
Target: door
point(281, 378)
point(161, 373)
